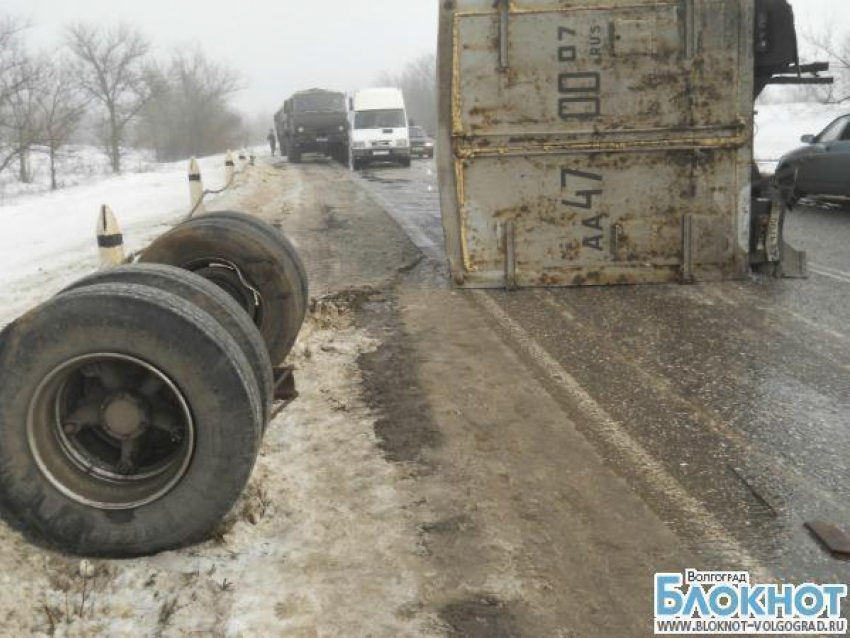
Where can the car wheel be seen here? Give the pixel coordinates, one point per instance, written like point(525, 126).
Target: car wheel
point(786, 178)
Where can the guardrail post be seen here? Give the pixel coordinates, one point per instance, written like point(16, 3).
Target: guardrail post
point(196, 188)
point(110, 241)
point(228, 168)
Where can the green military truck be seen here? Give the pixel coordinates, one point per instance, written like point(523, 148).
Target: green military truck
point(314, 121)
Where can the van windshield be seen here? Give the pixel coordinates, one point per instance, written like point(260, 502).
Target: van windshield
point(386, 118)
point(319, 103)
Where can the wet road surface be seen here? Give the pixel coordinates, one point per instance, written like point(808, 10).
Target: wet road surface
point(725, 406)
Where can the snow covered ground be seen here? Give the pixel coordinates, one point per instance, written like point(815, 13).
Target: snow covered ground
point(323, 542)
point(282, 562)
point(779, 128)
point(75, 165)
point(47, 240)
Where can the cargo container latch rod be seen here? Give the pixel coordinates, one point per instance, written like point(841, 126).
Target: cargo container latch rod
point(504, 7)
point(509, 237)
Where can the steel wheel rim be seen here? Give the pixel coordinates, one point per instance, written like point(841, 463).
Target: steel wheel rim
point(81, 465)
point(230, 278)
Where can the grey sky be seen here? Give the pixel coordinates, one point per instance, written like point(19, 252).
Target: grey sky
point(279, 46)
point(816, 15)
point(284, 45)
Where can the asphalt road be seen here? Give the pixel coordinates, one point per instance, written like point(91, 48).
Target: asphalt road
point(726, 407)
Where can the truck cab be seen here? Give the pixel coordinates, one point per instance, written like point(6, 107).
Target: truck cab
point(379, 128)
point(314, 121)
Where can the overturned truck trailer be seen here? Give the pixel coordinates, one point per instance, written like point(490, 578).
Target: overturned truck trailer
point(599, 142)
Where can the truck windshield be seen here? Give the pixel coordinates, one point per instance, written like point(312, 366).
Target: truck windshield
point(319, 103)
point(387, 118)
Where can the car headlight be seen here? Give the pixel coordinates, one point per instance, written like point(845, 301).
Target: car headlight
point(300, 129)
point(359, 145)
point(429, 144)
point(401, 143)
point(341, 128)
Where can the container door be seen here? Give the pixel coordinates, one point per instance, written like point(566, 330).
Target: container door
point(598, 145)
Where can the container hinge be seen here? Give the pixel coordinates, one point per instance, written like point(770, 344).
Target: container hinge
point(508, 232)
point(504, 7)
point(616, 238)
point(687, 248)
point(690, 28)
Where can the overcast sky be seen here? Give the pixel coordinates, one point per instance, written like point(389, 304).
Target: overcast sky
point(285, 45)
point(279, 46)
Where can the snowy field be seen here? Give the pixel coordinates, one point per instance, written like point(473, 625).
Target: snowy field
point(47, 239)
point(779, 128)
point(75, 165)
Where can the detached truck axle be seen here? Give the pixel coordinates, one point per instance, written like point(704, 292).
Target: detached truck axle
point(134, 429)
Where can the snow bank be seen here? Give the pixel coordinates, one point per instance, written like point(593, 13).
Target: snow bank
point(48, 240)
point(75, 165)
point(779, 127)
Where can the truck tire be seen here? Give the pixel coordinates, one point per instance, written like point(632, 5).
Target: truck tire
point(256, 269)
point(132, 430)
point(406, 162)
point(275, 235)
point(295, 155)
point(209, 298)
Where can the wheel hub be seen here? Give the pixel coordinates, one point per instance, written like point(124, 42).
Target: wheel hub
point(110, 431)
point(125, 416)
point(228, 276)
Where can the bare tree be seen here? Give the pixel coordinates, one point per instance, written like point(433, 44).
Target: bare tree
point(191, 114)
point(15, 78)
point(23, 121)
point(61, 107)
point(12, 55)
point(418, 82)
point(112, 68)
point(205, 88)
point(836, 48)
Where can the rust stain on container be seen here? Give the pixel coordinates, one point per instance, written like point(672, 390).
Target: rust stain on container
point(596, 129)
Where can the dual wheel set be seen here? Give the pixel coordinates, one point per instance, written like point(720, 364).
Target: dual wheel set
point(134, 402)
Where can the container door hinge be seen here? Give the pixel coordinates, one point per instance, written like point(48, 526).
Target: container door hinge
point(508, 233)
point(687, 248)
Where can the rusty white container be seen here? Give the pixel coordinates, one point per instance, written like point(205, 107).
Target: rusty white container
point(593, 142)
